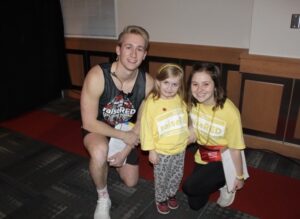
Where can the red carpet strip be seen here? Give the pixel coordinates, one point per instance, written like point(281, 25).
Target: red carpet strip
point(265, 195)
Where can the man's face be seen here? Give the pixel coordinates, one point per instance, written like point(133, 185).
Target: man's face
point(132, 51)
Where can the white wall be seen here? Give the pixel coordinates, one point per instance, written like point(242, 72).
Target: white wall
point(92, 18)
point(262, 26)
point(271, 34)
point(203, 22)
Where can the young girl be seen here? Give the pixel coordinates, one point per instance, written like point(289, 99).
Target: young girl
point(217, 126)
point(164, 133)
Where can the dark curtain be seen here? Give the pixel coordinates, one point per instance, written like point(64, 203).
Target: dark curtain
point(34, 67)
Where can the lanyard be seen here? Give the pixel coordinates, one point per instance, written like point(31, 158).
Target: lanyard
point(209, 129)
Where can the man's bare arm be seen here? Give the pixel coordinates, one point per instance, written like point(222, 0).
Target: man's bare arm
point(91, 92)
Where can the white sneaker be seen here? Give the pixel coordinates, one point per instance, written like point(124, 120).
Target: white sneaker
point(102, 208)
point(226, 198)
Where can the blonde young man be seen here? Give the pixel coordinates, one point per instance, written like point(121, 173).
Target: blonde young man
point(112, 94)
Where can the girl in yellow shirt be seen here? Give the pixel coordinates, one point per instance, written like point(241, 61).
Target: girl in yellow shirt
point(217, 126)
point(164, 133)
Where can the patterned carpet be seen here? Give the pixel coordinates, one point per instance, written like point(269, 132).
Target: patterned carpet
point(38, 180)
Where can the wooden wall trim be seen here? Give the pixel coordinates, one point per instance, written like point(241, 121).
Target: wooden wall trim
point(283, 148)
point(89, 44)
point(226, 55)
point(268, 65)
point(223, 55)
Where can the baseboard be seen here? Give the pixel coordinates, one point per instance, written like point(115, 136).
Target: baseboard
point(71, 93)
point(280, 147)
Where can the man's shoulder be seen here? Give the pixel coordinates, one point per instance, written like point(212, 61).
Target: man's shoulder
point(95, 71)
point(94, 80)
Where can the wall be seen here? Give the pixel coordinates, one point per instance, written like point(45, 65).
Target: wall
point(92, 19)
point(271, 34)
point(260, 85)
point(200, 22)
point(262, 26)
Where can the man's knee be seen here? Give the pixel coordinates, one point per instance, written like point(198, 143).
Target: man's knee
point(130, 179)
point(98, 154)
point(130, 182)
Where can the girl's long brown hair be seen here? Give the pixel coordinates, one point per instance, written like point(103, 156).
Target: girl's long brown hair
point(214, 72)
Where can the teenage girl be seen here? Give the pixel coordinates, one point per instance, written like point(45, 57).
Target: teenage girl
point(217, 126)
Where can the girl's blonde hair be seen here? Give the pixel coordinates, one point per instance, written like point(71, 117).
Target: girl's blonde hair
point(169, 70)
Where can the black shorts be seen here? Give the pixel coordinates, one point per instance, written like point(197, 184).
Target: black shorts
point(132, 158)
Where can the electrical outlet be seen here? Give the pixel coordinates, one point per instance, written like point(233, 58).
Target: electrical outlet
point(295, 22)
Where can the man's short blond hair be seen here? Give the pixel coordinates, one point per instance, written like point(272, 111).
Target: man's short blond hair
point(134, 30)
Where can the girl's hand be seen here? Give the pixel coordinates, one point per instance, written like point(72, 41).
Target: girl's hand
point(192, 135)
point(238, 184)
point(153, 157)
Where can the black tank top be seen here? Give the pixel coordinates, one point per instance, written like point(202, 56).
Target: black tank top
point(117, 107)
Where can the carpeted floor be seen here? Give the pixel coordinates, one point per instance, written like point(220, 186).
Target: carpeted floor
point(44, 174)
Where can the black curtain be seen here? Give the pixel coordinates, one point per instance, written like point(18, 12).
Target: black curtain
point(34, 67)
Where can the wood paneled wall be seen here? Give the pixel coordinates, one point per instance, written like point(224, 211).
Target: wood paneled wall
point(224, 55)
point(264, 88)
point(267, 65)
point(270, 103)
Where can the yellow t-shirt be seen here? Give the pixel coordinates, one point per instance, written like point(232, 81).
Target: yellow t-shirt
point(220, 128)
point(164, 125)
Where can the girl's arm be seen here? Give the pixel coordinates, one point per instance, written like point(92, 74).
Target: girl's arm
point(237, 161)
point(192, 134)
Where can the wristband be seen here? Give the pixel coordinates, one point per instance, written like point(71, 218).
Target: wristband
point(241, 177)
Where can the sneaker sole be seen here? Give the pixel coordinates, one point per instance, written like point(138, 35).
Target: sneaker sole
point(227, 204)
point(162, 212)
point(173, 208)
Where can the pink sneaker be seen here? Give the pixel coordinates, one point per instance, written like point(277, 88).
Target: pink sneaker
point(172, 202)
point(162, 207)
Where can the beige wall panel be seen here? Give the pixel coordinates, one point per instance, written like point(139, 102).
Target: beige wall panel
point(261, 105)
point(297, 128)
point(94, 60)
point(75, 63)
point(153, 68)
point(187, 70)
point(234, 86)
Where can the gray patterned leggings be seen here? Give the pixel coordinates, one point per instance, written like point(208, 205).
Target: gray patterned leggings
point(168, 175)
